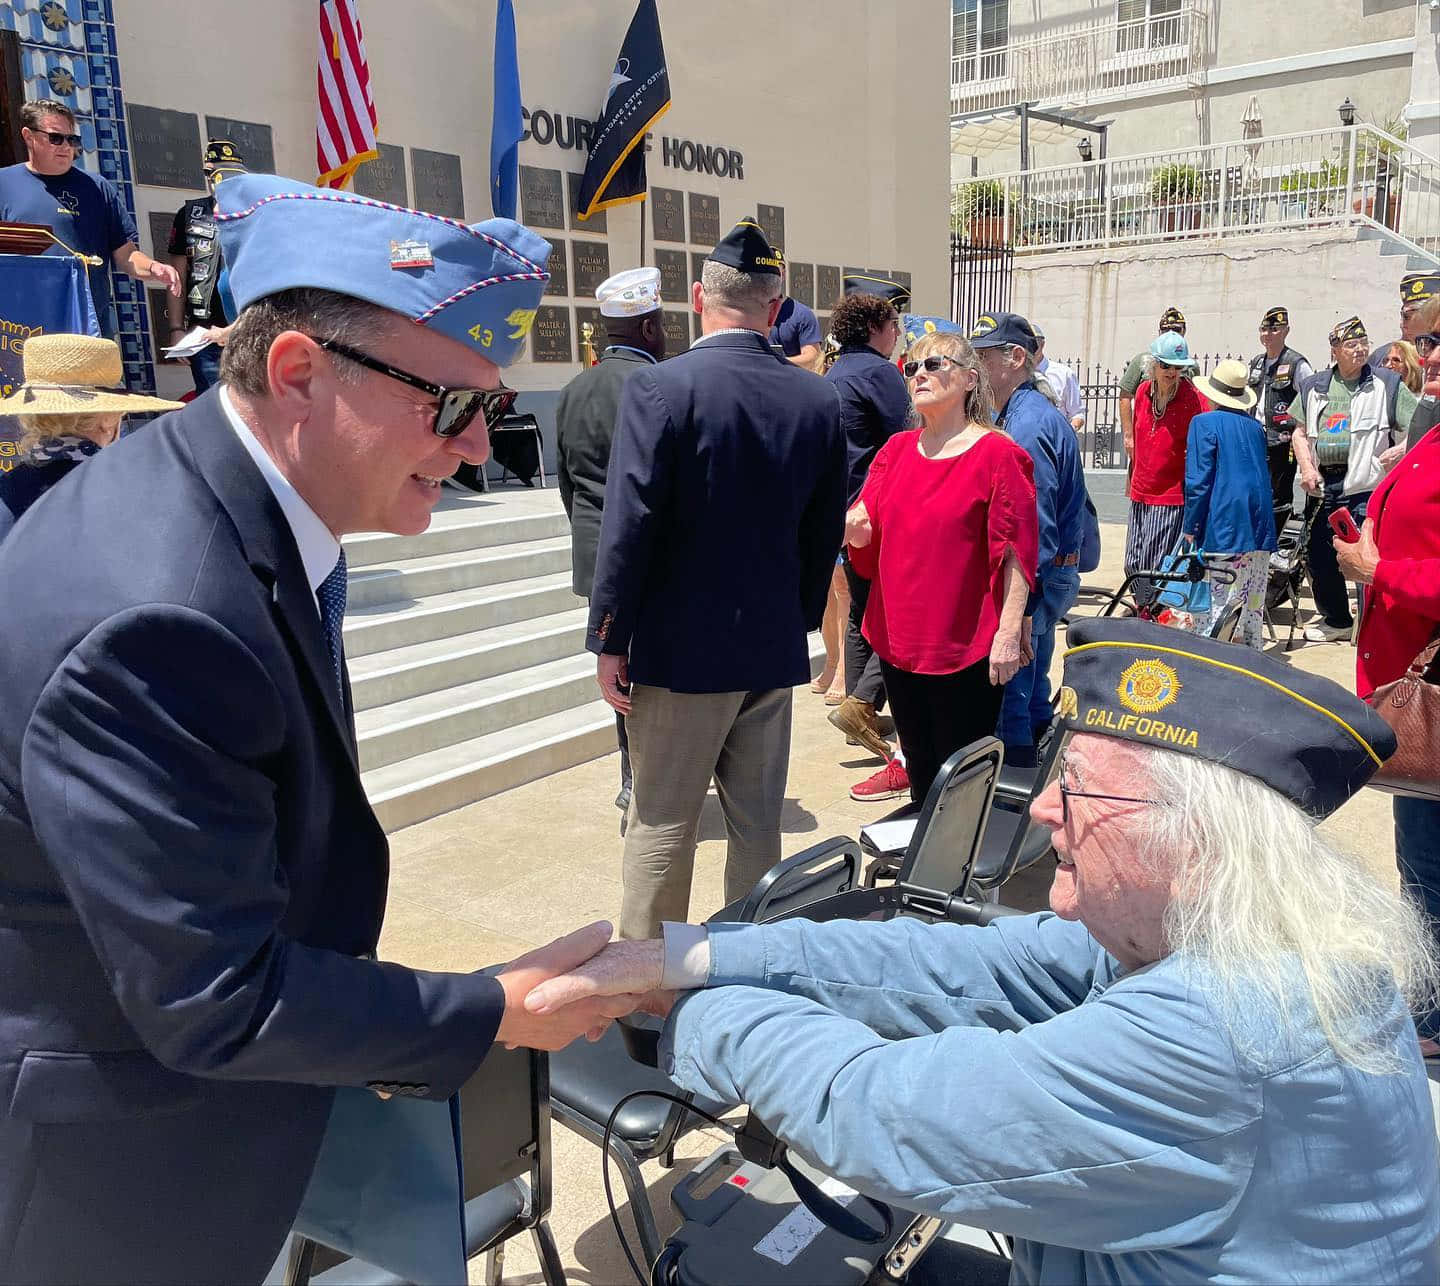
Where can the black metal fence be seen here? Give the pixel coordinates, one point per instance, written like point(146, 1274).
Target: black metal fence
point(980, 278)
point(1101, 443)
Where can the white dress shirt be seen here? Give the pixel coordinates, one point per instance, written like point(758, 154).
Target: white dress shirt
point(319, 550)
point(1067, 388)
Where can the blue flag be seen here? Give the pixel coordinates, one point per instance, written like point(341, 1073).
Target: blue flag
point(639, 95)
point(506, 126)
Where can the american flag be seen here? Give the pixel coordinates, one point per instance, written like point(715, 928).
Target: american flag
point(345, 119)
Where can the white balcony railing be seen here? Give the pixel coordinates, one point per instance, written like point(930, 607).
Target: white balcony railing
point(1357, 175)
point(1097, 60)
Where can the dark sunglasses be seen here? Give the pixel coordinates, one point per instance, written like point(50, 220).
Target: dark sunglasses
point(58, 140)
point(458, 406)
point(1427, 344)
point(932, 364)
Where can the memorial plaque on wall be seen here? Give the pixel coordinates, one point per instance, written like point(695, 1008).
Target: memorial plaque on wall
point(900, 277)
point(772, 219)
point(252, 141)
point(668, 213)
point(550, 334)
point(159, 325)
point(595, 223)
point(824, 320)
point(559, 270)
point(704, 218)
point(800, 282)
point(674, 279)
point(598, 337)
point(592, 266)
point(160, 223)
point(677, 331)
point(438, 186)
point(542, 198)
point(383, 179)
point(697, 264)
point(827, 285)
point(695, 331)
point(166, 148)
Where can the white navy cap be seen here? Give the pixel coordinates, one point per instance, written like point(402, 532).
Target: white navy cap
point(631, 293)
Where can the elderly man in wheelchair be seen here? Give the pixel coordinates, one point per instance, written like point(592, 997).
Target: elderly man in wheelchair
point(1199, 1065)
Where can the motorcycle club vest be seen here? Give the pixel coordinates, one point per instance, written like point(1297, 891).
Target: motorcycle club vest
point(1277, 394)
point(202, 249)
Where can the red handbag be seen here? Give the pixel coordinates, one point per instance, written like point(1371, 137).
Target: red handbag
point(1411, 706)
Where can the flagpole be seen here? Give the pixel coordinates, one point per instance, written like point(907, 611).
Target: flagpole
point(644, 205)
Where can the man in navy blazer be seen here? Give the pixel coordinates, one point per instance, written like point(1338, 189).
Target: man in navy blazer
point(192, 883)
point(724, 506)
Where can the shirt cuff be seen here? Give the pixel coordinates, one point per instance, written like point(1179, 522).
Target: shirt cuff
point(687, 956)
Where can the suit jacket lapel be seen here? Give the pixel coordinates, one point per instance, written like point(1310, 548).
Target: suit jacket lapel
point(268, 543)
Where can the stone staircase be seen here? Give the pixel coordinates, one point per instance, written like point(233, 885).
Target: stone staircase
point(466, 654)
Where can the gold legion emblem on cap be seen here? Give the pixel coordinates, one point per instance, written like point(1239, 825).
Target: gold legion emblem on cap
point(1148, 686)
point(1067, 703)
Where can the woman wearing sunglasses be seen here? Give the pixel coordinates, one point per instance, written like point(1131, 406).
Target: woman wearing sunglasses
point(946, 532)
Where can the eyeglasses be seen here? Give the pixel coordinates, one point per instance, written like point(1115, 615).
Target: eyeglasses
point(1355, 345)
point(58, 140)
point(458, 406)
point(931, 364)
point(1067, 793)
point(1426, 344)
point(1272, 329)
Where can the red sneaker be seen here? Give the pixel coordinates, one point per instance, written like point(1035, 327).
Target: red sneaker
point(890, 782)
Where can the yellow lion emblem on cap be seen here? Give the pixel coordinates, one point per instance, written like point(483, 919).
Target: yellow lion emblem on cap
point(522, 319)
point(1148, 686)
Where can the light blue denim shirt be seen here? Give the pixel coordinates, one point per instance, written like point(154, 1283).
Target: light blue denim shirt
point(1013, 1078)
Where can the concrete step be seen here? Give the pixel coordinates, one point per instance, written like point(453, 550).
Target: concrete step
point(455, 775)
point(452, 531)
point(437, 616)
point(448, 662)
point(411, 579)
point(417, 725)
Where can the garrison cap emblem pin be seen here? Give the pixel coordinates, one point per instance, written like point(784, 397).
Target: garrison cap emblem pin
point(522, 319)
point(1067, 703)
point(1148, 686)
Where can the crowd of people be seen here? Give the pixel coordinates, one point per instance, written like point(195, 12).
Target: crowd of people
point(1204, 1062)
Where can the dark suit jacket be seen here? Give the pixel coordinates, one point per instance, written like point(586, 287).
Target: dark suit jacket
point(190, 878)
point(584, 430)
point(724, 509)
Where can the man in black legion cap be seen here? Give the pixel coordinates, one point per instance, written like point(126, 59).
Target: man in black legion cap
point(724, 506)
point(1277, 374)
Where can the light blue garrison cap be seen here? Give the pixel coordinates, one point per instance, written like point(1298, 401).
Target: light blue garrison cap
point(477, 283)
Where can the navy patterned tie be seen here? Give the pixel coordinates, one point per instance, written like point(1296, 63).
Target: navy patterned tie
point(332, 613)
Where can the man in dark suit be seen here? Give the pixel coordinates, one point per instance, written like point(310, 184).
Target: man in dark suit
point(192, 883)
point(585, 427)
point(724, 507)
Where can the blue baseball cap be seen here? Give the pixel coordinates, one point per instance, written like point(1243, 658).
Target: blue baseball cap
point(1171, 348)
point(479, 284)
point(996, 330)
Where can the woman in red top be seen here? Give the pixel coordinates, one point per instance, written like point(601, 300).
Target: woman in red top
point(946, 531)
point(1164, 406)
point(1398, 556)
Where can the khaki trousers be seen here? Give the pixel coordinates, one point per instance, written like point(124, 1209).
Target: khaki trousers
point(678, 742)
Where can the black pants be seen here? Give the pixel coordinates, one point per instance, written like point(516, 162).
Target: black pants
point(1332, 596)
point(862, 667)
point(937, 714)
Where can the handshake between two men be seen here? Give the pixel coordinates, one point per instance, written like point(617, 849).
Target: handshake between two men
point(577, 985)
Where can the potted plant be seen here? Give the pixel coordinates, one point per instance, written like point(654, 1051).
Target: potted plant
point(979, 211)
point(1315, 190)
point(1387, 161)
point(1176, 189)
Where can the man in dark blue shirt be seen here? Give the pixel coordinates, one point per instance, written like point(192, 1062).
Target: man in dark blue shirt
point(1007, 345)
point(874, 403)
point(796, 330)
point(84, 211)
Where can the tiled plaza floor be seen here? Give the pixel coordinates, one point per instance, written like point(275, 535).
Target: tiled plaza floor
point(486, 882)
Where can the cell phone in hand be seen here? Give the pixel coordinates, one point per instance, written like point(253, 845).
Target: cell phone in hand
point(1342, 523)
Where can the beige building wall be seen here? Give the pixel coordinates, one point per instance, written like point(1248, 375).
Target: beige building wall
point(839, 110)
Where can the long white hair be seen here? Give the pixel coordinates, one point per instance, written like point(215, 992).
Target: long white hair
point(1262, 903)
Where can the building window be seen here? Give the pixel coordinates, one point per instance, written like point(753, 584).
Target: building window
point(980, 30)
point(1147, 24)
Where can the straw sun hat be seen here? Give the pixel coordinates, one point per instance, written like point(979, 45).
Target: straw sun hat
point(1229, 385)
point(76, 375)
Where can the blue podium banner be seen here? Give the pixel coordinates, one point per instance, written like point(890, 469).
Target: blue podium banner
point(39, 295)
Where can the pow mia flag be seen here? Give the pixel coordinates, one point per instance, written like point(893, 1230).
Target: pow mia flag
point(639, 95)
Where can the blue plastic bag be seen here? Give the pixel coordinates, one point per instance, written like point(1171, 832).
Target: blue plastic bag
point(388, 1187)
